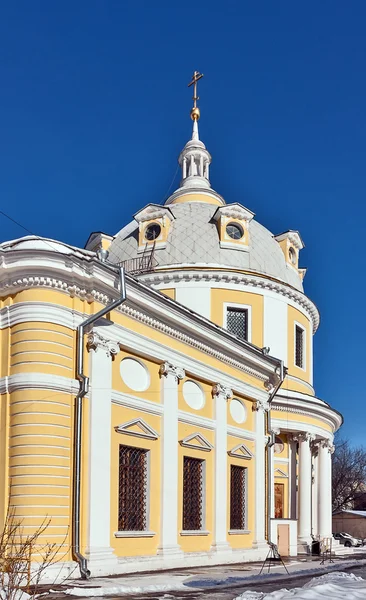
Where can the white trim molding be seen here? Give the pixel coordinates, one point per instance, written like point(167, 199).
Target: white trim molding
point(196, 441)
point(241, 451)
point(146, 431)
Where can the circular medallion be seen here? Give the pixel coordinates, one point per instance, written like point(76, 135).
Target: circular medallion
point(193, 395)
point(134, 374)
point(238, 411)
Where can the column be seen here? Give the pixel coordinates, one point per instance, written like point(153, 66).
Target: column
point(170, 377)
point(221, 394)
point(261, 407)
point(325, 488)
point(184, 168)
point(304, 530)
point(292, 484)
point(276, 431)
point(98, 551)
point(315, 490)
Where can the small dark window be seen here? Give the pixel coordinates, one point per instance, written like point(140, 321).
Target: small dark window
point(238, 477)
point(299, 346)
point(235, 231)
point(237, 322)
point(133, 490)
point(192, 494)
point(152, 231)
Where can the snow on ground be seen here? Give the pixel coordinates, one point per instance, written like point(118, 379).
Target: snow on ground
point(331, 586)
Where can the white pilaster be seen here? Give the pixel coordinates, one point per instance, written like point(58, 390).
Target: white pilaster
point(170, 377)
point(292, 484)
point(260, 474)
point(221, 394)
point(315, 491)
point(304, 530)
point(98, 552)
point(325, 488)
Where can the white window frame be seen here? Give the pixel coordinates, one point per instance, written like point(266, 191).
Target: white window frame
point(247, 307)
point(304, 345)
point(246, 485)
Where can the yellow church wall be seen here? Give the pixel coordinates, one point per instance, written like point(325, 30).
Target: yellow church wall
point(4, 446)
point(295, 315)
point(305, 419)
point(297, 386)
point(194, 353)
point(135, 546)
point(196, 543)
point(197, 198)
point(244, 540)
point(152, 392)
point(207, 410)
point(40, 447)
point(220, 297)
point(249, 421)
point(169, 292)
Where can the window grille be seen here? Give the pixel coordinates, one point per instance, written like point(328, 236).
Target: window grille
point(238, 476)
point(192, 494)
point(299, 347)
point(133, 489)
point(237, 322)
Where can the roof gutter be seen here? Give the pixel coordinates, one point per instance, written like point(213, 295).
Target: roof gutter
point(84, 388)
point(270, 443)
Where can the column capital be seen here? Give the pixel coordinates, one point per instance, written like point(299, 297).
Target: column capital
point(167, 368)
point(261, 406)
point(327, 445)
point(221, 390)
point(276, 430)
point(303, 436)
point(98, 342)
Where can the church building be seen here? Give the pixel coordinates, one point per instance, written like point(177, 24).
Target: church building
point(157, 399)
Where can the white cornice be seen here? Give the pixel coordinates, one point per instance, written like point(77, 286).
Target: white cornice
point(131, 340)
point(295, 402)
point(36, 381)
point(83, 276)
point(220, 273)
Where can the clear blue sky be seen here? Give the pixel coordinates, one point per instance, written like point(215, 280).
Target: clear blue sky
point(94, 109)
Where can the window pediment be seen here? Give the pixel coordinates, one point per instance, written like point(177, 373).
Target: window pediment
point(197, 442)
point(241, 451)
point(138, 428)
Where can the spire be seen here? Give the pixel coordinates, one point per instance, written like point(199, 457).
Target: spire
point(194, 158)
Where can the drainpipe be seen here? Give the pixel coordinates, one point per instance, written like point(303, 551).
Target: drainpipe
point(84, 387)
point(270, 443)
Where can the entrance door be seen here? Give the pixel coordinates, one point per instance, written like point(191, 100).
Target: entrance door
point(283, 539)
point(279, 498)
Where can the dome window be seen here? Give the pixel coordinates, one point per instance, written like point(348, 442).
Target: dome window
point(152, 231)
point(235, 231)
point(292, 255)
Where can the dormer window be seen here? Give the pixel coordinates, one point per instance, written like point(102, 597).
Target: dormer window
point(154, 224)
point(235, 231)
point(152, 231)
point(232, 222)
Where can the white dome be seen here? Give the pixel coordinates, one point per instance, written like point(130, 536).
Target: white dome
point(194, 240)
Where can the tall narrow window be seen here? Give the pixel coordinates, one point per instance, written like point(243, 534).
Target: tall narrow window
point(237, 322)
point(299, 346)
point(192, 494)
point(238, 477)
point(133, 490)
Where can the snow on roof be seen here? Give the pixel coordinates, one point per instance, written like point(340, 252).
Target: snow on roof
point(358, 513)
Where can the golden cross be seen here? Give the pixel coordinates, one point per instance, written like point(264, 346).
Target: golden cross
point(195, 77)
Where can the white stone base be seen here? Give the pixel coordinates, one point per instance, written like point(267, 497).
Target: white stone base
point(158, 562)
point(100, 560)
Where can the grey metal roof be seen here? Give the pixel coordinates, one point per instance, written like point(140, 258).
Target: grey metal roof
point(193, 238)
